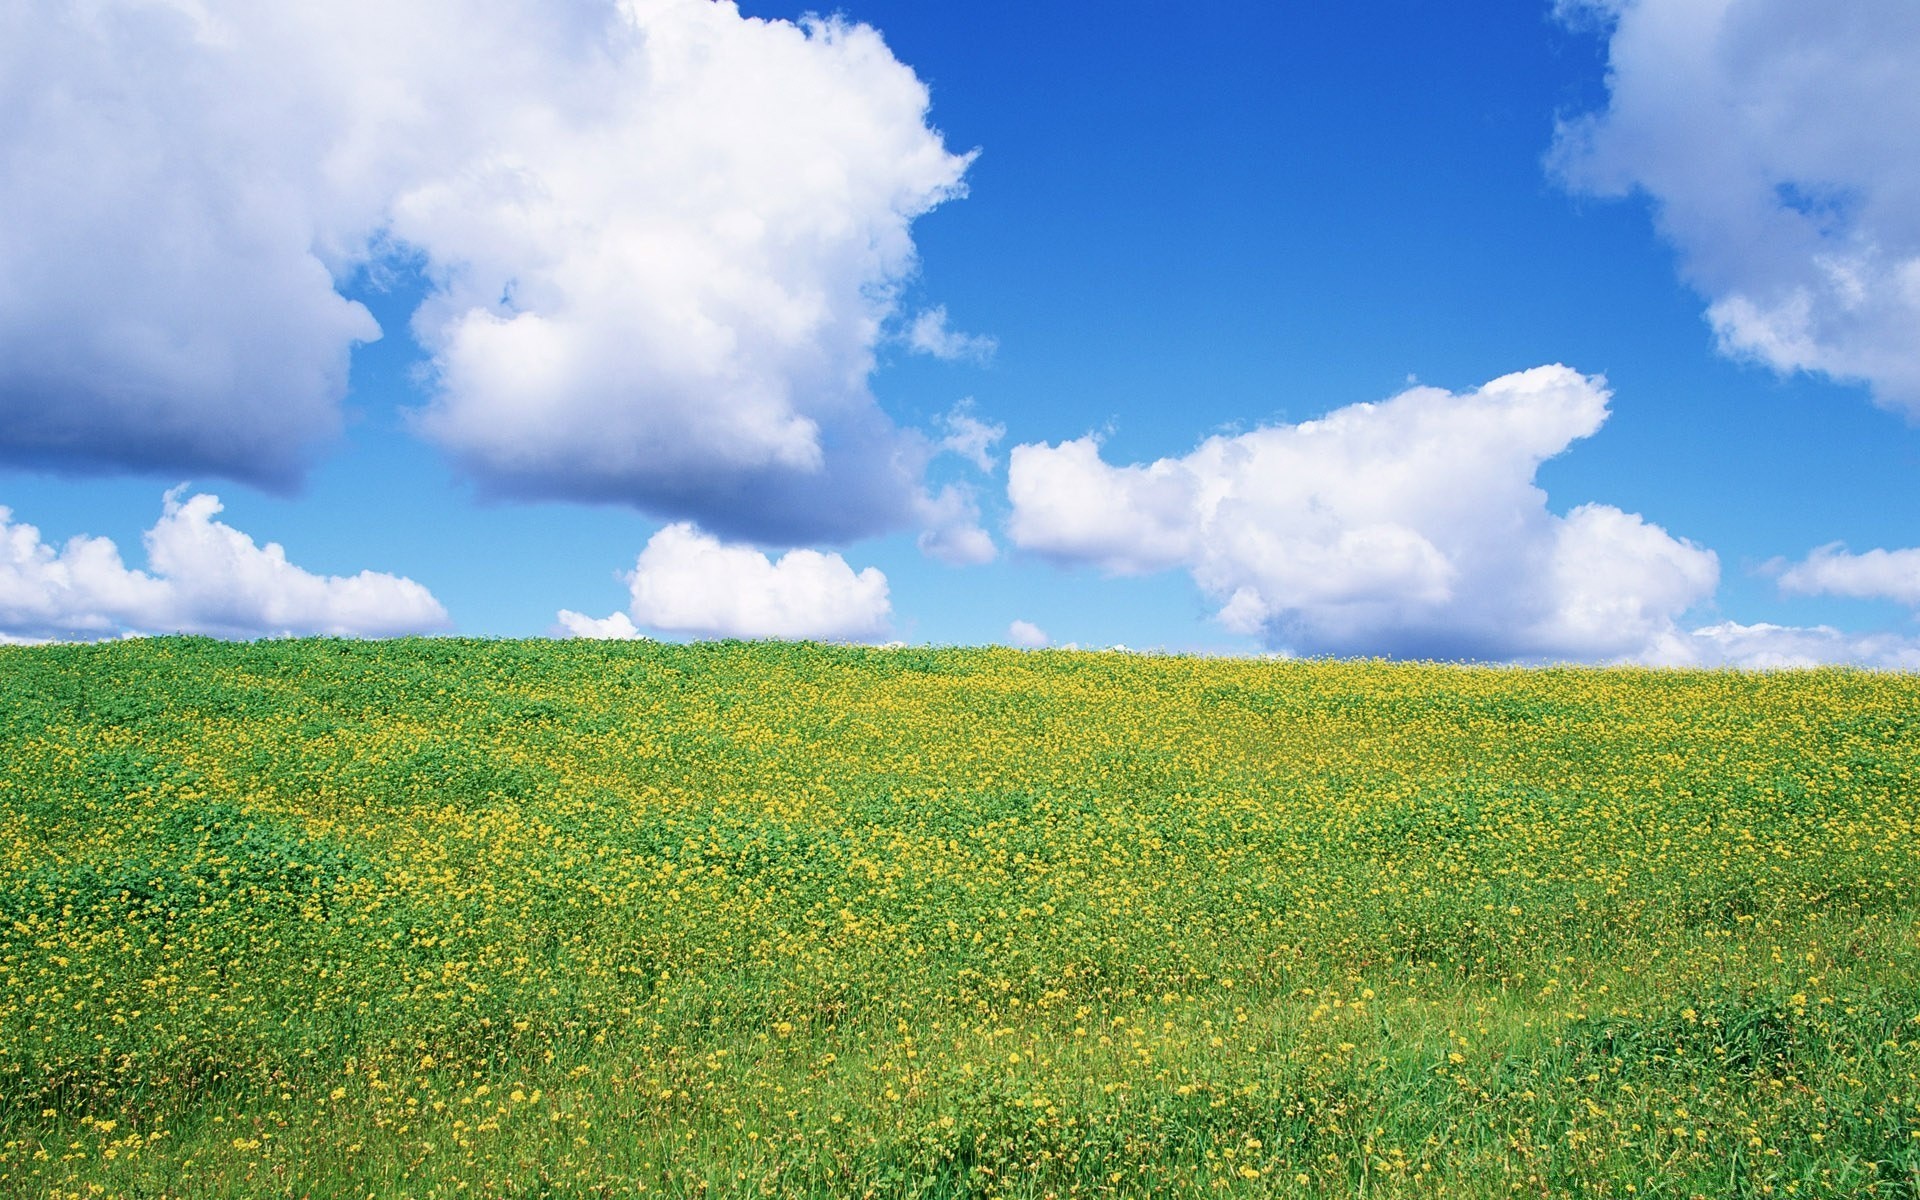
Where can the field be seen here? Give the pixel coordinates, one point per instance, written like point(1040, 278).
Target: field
point(476, 918)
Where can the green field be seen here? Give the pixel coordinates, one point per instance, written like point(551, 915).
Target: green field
point(478, 918)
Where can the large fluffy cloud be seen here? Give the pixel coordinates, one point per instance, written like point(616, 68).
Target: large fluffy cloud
point(662, 241)
point(1409, 527)
point(689, 582)
point(1780, 143)
point(668, 275)
point(165, 299)
point(203, 576)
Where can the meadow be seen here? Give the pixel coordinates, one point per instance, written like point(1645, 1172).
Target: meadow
point(487, 918)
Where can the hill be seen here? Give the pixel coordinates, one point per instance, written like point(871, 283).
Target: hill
point(443, 917)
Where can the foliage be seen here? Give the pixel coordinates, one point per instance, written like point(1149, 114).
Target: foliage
point(439, 917)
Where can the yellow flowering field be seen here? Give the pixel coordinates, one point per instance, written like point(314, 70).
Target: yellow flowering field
point(486, 918)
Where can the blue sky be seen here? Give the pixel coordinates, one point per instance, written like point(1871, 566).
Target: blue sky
point(647, 281)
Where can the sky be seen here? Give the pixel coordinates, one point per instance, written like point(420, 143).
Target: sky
point(1516, 331)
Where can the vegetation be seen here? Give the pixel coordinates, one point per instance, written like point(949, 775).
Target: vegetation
point(439, 918)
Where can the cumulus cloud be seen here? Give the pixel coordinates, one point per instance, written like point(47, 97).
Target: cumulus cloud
point(82, 589)
point(667, 275)
point(686, 581)
point(1410, 527)
point(662, 242)
point(932, 333)
point(1027, 635)
point(203, 576)
point(1876, 575)
point(1780, 144)
point(1773, 647)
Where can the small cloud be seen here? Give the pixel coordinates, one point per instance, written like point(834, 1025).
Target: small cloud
point(931, 334)
point(958, 545)
point(1831, 570)
point(952, 532)
point(969, 437)
point(1027, 635)
point(617, 628)
point(1765, 647)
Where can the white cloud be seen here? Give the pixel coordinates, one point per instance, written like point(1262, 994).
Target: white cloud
point(668, 272)
point(963, 545)
point(932, 333)
point(1070, 505)
point(969, 437)
point(1773, 647)
point(164, 295)
point(1780, 143)
point(1876, 575)
point(1615, 584)
point(688, 582)
point(617, 628)
point(662, 240)
point(952, 532)
point(1411, 527)
point(1027, 635)
point(81, 589)
point(203, 576)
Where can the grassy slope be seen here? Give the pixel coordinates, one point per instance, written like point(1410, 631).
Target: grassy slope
point(452, 917)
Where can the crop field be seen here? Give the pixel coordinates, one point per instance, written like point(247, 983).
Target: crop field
point(481, 918)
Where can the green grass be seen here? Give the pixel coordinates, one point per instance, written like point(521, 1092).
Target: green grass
point(460, 918)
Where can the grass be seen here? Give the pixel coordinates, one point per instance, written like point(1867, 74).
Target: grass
point(469, 918)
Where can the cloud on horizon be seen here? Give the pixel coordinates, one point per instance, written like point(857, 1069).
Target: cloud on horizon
point(1779, 142)
point(616, 628)
point(689, 582)
point(1763, 646)
point(203, 576)
point(662, 242)
point(1411, 528)
point(1026, 635)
